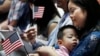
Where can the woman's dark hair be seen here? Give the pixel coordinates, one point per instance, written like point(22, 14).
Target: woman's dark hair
point(93, 11)
point(31, 1)
point(60, 32)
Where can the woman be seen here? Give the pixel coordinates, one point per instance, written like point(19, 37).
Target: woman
point(85, 15)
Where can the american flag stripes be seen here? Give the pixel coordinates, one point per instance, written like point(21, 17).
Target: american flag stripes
point(11, 43)
point(38, 12)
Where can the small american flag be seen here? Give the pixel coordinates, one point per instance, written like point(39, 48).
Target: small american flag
point(38, 12)
point(11, 43)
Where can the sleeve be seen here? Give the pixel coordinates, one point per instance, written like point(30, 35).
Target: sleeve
point(87, 46)
point(19, 9)
point(11, 10)
point(16, 10)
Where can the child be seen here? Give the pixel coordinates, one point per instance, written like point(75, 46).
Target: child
point(67, 40)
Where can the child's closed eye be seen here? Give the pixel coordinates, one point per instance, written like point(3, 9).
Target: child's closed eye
point(69, 36)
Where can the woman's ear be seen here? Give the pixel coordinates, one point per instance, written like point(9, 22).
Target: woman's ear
point(60, 42)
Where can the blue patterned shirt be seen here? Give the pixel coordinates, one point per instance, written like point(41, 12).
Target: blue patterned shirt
point(87, 46)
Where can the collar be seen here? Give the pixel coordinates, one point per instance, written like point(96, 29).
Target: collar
point(63, 48)
point(97, 27)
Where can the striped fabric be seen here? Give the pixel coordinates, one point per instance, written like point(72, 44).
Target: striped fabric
point(16, 10)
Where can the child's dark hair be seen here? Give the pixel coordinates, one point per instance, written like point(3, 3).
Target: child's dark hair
point(60, 32)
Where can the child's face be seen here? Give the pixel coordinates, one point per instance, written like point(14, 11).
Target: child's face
point(69, 39)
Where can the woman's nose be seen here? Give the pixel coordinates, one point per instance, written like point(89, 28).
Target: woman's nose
point(72, 17)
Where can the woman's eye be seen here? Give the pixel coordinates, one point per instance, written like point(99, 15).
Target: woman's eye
point(71, 10)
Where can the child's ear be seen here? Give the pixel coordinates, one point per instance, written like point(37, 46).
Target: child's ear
point(59, 42)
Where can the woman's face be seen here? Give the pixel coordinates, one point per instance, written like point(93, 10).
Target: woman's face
point(77, 14)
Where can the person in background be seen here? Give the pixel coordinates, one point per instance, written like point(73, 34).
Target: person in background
point(4, 10)
point(49, 13)
point(65, 20)
point(22, 16)
point(53, 23)
point(19, 17)
point(60, 10)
